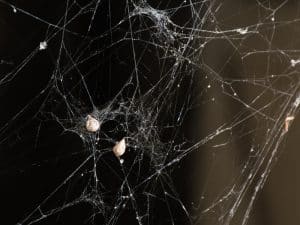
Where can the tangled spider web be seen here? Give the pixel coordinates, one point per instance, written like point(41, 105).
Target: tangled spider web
point(142, 69)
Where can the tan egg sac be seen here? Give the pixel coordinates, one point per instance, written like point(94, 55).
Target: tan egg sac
point(119, 148)
point(288, 120)
point(92, 124)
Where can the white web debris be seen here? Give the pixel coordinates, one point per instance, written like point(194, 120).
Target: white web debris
point(43, 45)
point(242, 30)
point(297, 102)
point(294, 62)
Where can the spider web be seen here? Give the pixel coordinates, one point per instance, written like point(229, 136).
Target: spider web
point(144, 70)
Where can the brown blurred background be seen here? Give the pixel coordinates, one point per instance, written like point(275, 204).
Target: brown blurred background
point(279, 201)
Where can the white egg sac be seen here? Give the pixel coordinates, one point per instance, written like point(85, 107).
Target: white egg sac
point(119, 148)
